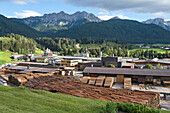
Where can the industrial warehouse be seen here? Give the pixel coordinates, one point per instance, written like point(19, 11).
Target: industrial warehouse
point(137, 75)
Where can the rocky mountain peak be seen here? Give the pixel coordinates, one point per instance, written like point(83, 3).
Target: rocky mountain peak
point(116, 17)
point(154, 21)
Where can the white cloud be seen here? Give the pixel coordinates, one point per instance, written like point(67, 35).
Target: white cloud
point(105, 17)
point(160, 14)
point(122, 16)
point(25, 13)
point(21, 2)
point(139, 6)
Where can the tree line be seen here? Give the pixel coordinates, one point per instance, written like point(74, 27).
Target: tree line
point(18, 43)
point(67, 46)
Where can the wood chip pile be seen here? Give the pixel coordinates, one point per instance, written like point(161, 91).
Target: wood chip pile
point(72, 86)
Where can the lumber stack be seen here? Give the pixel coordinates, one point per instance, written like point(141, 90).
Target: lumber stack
point(127, 83)
point(156, 82)
point(109, 82)
point(16, 80)
point(19, 79)
point(100, 81)
point(85, 80)
point(92, 81)
point(72, 86)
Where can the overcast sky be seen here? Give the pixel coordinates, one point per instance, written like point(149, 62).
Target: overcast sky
point(104, 9)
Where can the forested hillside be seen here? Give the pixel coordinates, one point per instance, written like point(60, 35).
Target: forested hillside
point(64, 46)
point(18, 43)
point(127, 31)
point(9, 26)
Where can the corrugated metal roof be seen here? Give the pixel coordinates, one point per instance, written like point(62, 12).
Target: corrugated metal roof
point(126, 71)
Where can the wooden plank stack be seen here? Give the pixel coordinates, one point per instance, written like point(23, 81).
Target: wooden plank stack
point(156, 82)
point(92, 81)
point(85, 80)
point(120, 78)
point(100, 81)
point(109, 82)
point(127, 83)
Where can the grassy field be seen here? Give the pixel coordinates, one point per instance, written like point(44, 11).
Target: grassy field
point(5, 57)
point(90, 45)
point(17, 100)
point(155, 49)
point(160, 44)
point(39, 52)
point(98, 46)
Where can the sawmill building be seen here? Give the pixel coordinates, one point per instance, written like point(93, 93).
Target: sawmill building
point(151, 76)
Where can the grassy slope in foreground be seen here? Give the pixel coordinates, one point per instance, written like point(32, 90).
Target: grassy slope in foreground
point(17, 100)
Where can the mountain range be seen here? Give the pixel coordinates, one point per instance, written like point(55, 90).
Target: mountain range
point(83, 24)
point(126, 31)
point(58, 21)
point(160, 22)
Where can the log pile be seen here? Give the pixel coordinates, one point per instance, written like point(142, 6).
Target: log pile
point(72, 86)
point(19, 79)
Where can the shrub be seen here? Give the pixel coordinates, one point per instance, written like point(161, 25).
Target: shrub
point(110, 108)
point(111, 65)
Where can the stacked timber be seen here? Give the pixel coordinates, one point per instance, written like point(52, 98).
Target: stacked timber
point(19, 79)
point(85, 80)
point(127, 83)
point(149, 80)
point(1, 72)
point(72, 86)
point(156, 82)
point(16, 80)
point(141, 80)
point(92, 81)
point(109, 82)
point(100, 81)
point(120, 78)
